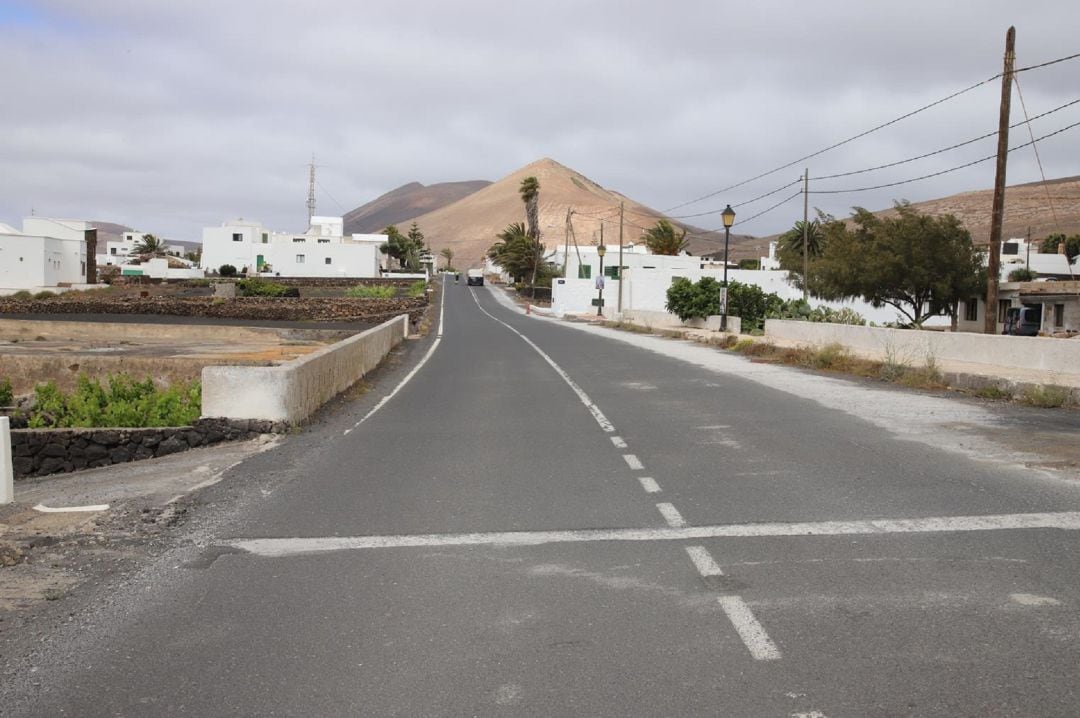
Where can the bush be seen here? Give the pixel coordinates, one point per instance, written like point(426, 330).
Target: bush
point(124, 402)
point(1022, 274)
point(1046, 397)
point(258, 287)
point(227, 270)
point(746, 301)
point(7, 397)
point(382, 291)
point(22, 294)
point(417, 288)
point(46, 294)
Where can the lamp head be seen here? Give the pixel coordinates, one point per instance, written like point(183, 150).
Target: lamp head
point(601, 250)
point(728, 216)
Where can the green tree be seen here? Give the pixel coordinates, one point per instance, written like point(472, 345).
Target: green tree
point(517, 253)
point(448, 254)
point(918, 264)
point(405, 248)
point(664, 238)
point(1052, 241)
point(530, 195)
point(789, 247)
point(149, 246)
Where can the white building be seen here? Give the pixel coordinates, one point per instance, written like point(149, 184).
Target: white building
point(116, 251)
point(45, 254)
point(322, 251)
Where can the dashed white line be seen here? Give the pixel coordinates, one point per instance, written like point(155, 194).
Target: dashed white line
point(751, 632)
point(618, 441)
point(671, 515)
point(633, 462)
point(703, 561)
point(1064, 520)
point(598, 415)
point(649, 484)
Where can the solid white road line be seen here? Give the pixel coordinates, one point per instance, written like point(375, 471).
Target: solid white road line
point(649, 484)
point(703, 561)
point(411, 374)
point(671, 515)
point(593, 408)
point(618, 441)
point(750, 631)
point(1065, 520)
point(70, 509)
point(633, 462)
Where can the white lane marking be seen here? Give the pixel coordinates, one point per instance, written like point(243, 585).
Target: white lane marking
point(408, 377)
point(671, 515)
point(649, 484)
point(618, 441)
point(1065, 520)
point(633, 462)
point(811, 714)
point(751, 632)
point(70, 509)
point(442, 310)
point(602, 420)
point(703, 561)
point(1030, 599)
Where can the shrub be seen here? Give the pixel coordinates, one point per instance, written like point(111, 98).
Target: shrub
point(227, 270)
point(7, 397)
point(258, 287)
point(1046, 397)
point(746, 301)
point(1022, 274)
point(124, 402)
point(22, 294)
point(46, 294)
point(382, 291)
point(417, 288)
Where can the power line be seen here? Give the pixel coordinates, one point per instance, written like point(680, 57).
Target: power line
point(1046, 64)
point(740, 204)
point(781, 203)
point(841, 143)
point(942, 172)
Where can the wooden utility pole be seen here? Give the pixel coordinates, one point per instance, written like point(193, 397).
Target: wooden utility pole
point(566, 246)
point(998, 213)
point(805, 235)
point(622, 206)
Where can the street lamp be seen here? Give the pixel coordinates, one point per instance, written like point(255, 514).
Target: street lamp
point(728, 216)
point(600, 281)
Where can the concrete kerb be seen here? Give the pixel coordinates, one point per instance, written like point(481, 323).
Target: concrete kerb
point(291, 392)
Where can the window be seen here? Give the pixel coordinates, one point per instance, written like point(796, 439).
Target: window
point(298, 240)
point(299, 259)
point(112, 251)
point(584, 271)
point(971, 310)
point(611, 272)
point(237, 237)
point(1010, 248)
point(1003, 309)
point(328, 261)
point(1059, 315)
point(324, 241)
point(265, 238)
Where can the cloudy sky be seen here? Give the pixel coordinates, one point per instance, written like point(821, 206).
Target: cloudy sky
point(169, 116)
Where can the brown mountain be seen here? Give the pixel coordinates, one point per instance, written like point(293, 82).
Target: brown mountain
point(1035, 207)
point(406, 202)
point(470, 225)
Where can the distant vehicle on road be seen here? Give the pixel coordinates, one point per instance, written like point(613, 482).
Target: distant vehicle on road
point(475, 277)
point(1023, 321)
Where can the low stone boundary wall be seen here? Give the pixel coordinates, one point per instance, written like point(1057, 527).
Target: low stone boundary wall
point(40, 452)
point(291, 392)
point(277, 308)
point(667, 320)
point(1039, 353)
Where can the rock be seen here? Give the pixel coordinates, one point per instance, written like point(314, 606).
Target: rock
point(194, 438)
point(120, 454)
point(150, 441)
point(22, 465)
point(171, 445)
point(106, 438)
point(54, 450)
point(51, 465)
point(93, 452)
point(143, 452)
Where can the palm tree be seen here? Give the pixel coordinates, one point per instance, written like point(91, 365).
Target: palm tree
point(665, 239)
point(448, 254)
point(793, 238)
point(530, 195)
point(149, 246)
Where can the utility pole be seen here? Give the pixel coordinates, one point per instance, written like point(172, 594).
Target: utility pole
point(622, 207)
point(805, 235)
point(311, 191)
point(566, 246)
point(998, 212)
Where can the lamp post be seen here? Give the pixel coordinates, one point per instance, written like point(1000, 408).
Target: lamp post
point(600, 281)
point(728, 216)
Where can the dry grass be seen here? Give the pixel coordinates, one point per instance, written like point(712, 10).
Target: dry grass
point(1046, 397)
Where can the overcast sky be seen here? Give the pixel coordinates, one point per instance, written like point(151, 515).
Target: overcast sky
point(169, 116)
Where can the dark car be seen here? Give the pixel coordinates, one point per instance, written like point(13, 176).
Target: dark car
point(1023, 321)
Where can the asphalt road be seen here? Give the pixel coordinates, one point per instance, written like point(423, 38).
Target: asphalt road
point(545, 521)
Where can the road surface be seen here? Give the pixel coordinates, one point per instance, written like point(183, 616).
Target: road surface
point(547, 521)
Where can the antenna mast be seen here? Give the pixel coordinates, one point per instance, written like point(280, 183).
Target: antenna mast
point(311, 191)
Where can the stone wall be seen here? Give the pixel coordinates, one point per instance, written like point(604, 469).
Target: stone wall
point(40, 452)
point(282, 309)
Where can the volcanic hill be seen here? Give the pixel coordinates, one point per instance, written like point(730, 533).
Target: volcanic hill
point(408, 201)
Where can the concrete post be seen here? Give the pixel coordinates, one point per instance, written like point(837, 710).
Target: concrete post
point(90, 237)
point(7, 473)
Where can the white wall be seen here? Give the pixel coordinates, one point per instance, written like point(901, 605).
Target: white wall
point(28, 262)
point(914, 347)
point(357, 256)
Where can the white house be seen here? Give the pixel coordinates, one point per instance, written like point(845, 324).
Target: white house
point(117, 251)
point(46, 253)
point(321, 251)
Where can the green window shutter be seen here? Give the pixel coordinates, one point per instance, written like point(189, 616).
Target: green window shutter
point(611, 272)
point(584, 271)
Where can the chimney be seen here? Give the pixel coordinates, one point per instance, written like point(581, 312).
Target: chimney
point(90, 237)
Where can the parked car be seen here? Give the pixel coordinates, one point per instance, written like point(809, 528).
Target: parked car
point(1023, 321)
